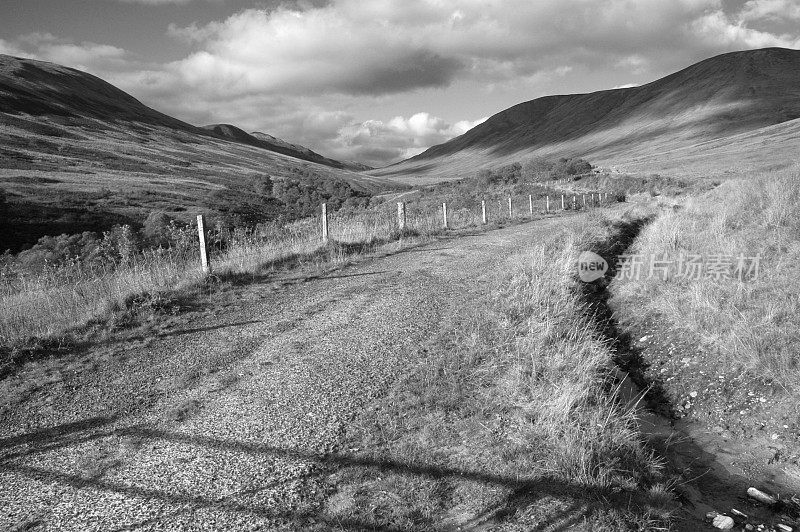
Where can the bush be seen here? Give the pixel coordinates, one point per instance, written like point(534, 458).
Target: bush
point(536, 169)
point(570, 167)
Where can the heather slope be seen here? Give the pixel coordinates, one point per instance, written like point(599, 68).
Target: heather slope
point(78, 154)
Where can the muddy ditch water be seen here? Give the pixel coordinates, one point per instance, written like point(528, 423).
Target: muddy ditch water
point(708, 468)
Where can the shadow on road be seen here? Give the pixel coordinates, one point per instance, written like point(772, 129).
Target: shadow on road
point(18, 456)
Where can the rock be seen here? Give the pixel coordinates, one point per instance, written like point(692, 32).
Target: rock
point(723, 522)
point(783, 528)
point(760, 496)
point(737, 513)
point(644, 338)
point(693, 395)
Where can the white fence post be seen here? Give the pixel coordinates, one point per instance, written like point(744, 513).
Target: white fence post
point(444, 215)
point(325, 223)
point(201, 234)
point(401, 215)
point(483, 211)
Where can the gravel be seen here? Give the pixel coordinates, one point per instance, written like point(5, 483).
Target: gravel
point(232, 418)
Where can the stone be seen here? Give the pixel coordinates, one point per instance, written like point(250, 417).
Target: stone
point(784, 528)
point(760, 496)
point(693, 395)
point(723, 522)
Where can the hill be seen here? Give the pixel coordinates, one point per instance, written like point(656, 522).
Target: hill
point(724, 96)
point(268, 142)
point(78, 154)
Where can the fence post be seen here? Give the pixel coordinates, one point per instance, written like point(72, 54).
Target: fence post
point(574, 202)
point(401, 215)
point(546, 204)
point(530, 203)
point(201, 235)
point(325, 223)
point(444, 215)
point(562, 202)
point(584, 201)
point(510, 210)
point(483, 211)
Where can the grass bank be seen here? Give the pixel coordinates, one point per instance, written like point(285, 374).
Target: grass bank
point(750, 323)
point(512, 418)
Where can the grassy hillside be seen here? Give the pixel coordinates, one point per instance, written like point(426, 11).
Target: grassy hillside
point(77, 154)
point(733, 94)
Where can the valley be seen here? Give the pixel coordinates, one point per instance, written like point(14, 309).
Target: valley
point(434, 366)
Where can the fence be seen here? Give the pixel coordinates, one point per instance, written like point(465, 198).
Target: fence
point(60, 300)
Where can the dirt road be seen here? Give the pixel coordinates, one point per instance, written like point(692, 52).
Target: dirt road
point(227, 420)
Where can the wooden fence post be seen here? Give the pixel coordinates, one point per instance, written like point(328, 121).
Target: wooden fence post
point(510, 210)
point(325, 223)
point(483, 211)
point(562, 202)
point(574, 202)
point(530, 203)
point(444, 215)
point(546, 204)
point(401, 215)
point(201, 234)
point(584, 201)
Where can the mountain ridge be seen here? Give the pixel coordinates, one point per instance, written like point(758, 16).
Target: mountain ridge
point(40, 88)
point(720, 96)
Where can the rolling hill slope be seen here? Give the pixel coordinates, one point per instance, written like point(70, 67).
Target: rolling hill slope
point(268, 142)
point(78, 154)
point(724, 96)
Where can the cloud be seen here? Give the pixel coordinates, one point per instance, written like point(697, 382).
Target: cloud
point(84, 56)
point(770, 10)
point(717, 30)
point(161, 2)
point(9, 48)
point(298, 70)
point(378, 143)
point(384, 47)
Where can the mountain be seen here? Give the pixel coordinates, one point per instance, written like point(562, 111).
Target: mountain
point(78, 154)
point(268, 142)
point(724, 96)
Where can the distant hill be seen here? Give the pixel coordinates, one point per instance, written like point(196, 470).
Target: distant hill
point(268, 142)
point(720, 97)
point(78, 154)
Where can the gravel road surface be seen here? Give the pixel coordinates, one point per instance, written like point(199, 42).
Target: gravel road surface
point(232, 420)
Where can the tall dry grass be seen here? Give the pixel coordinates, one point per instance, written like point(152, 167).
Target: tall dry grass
point(58, 299)
point(752, 323)
point(69, 296)
point(517, 390)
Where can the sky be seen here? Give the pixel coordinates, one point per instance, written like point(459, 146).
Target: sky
point(378, 81)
